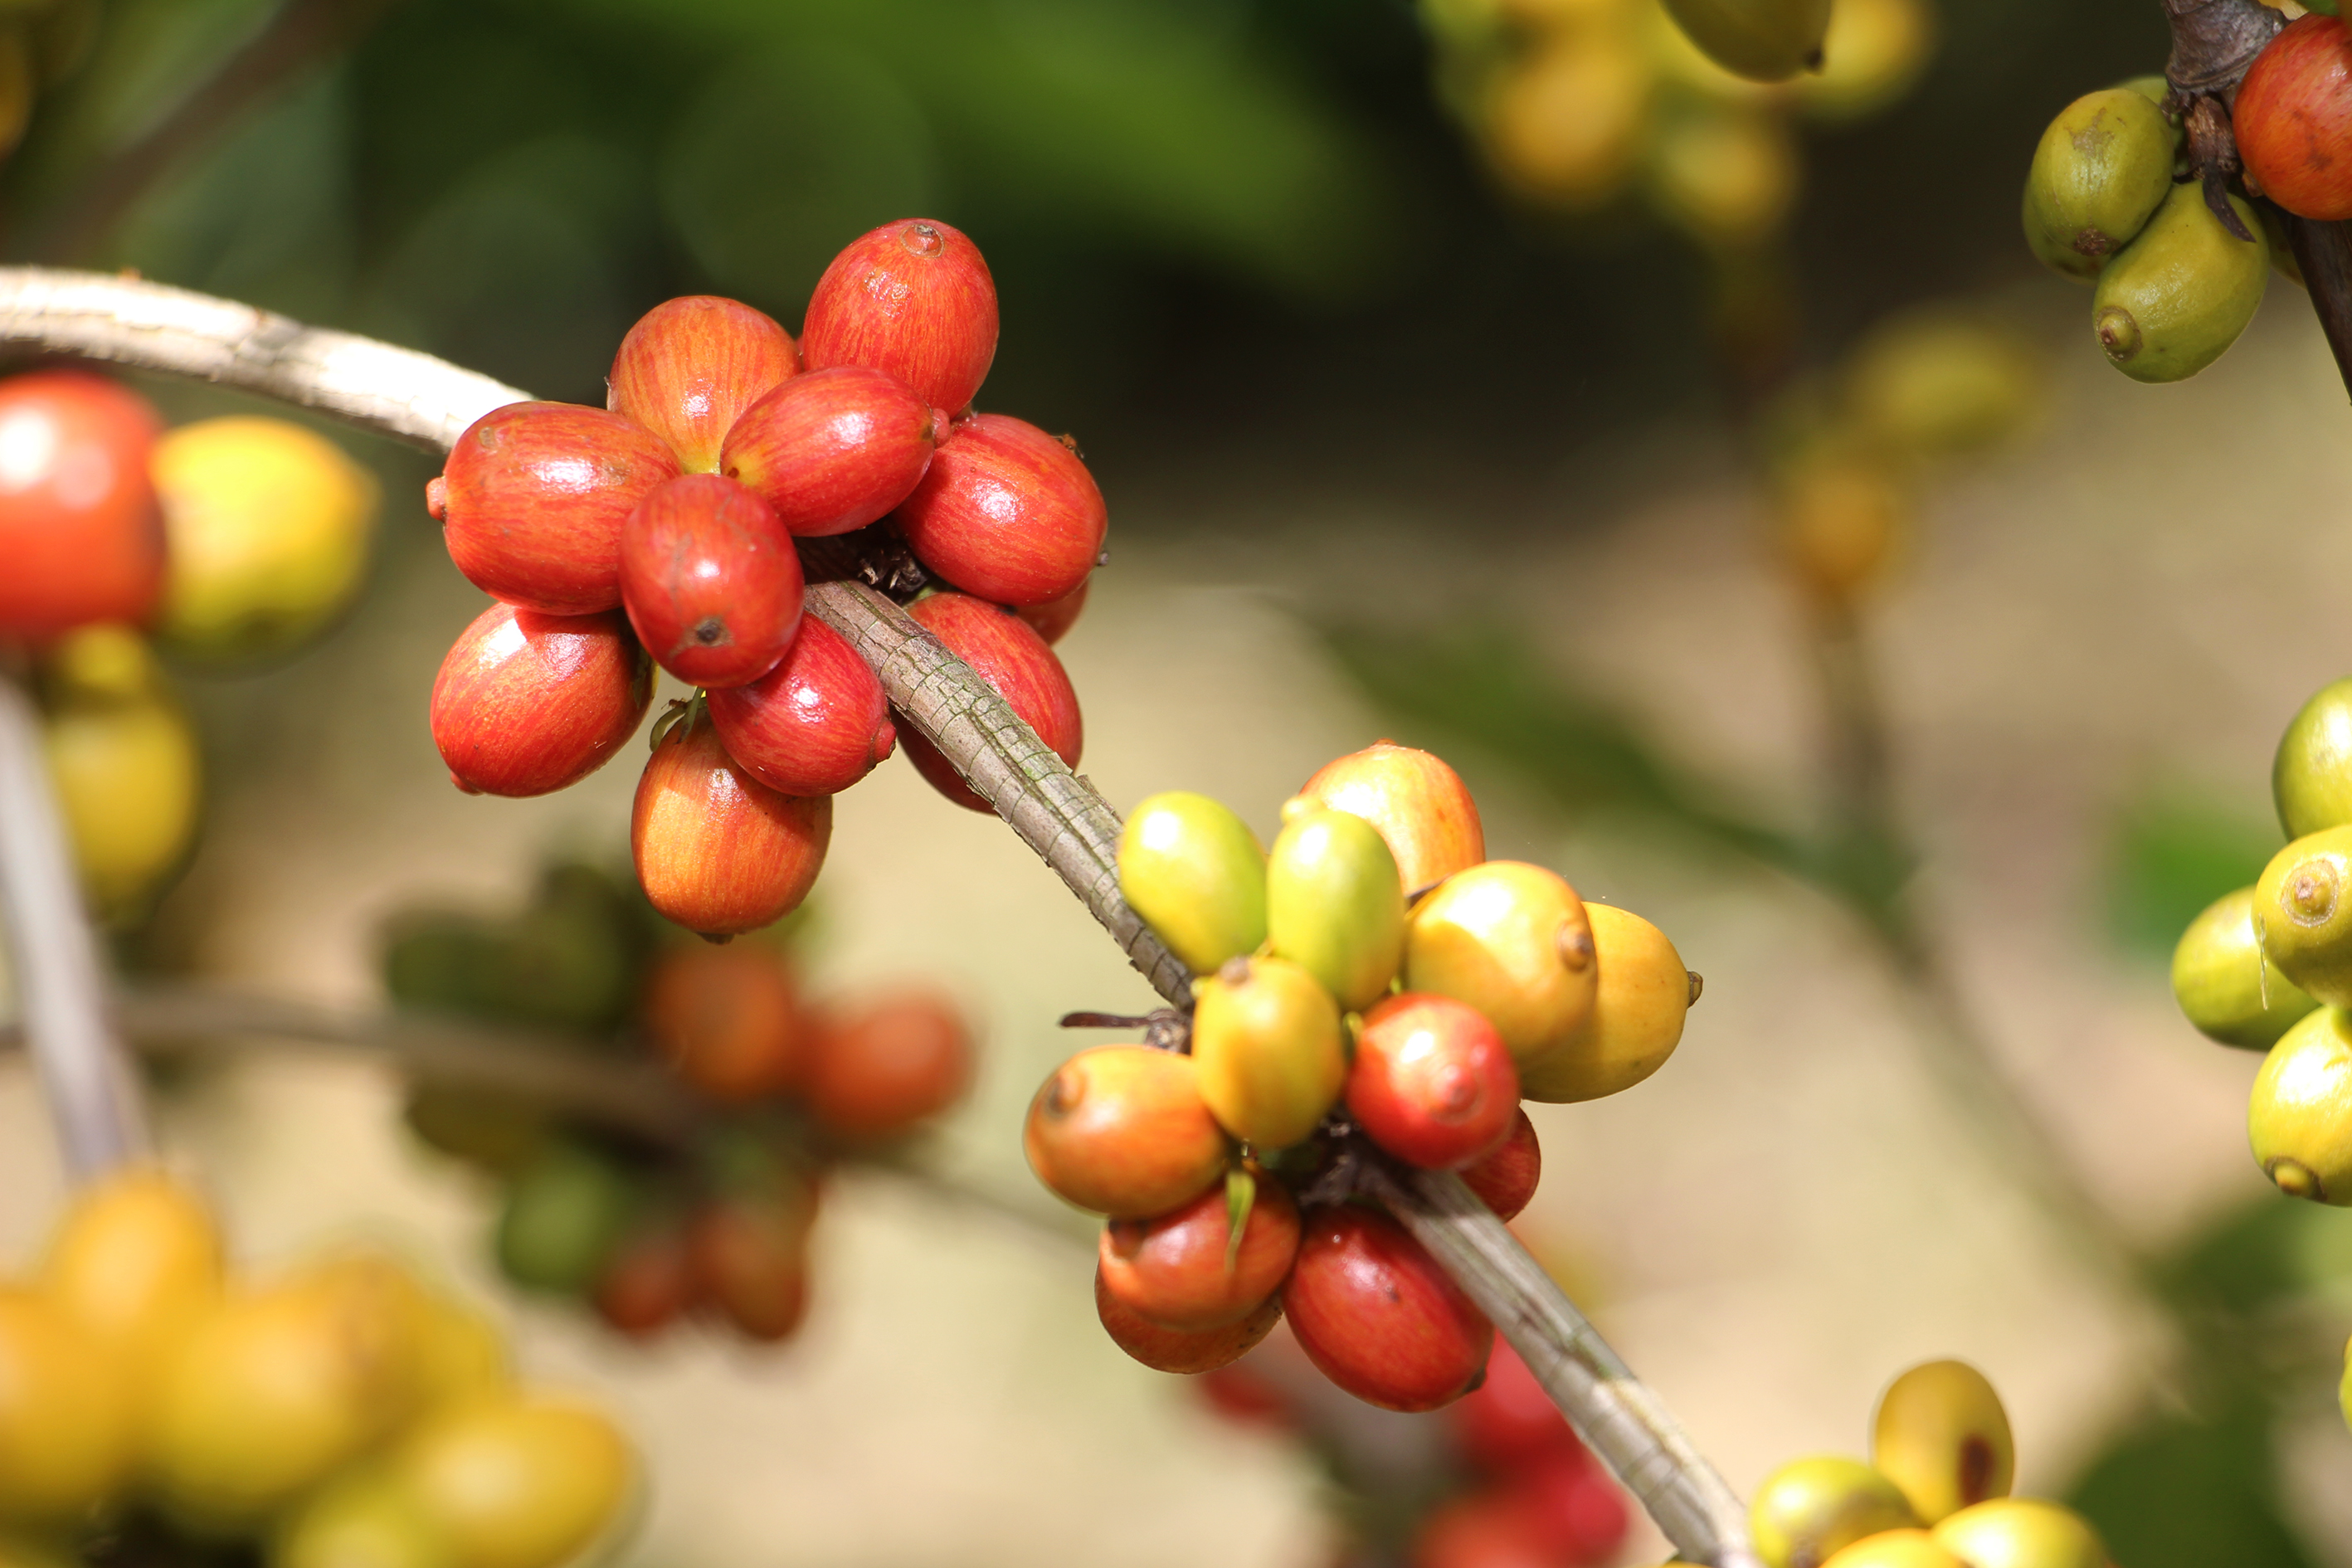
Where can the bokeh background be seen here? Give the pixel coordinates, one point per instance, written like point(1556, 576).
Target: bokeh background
point(1359, 413)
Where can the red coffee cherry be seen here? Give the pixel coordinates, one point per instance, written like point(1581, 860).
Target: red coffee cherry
point(1173, 1350)
point(815, 724)
point(1508, 1419)
point(832, 449)
point(1181, 1271)
point(80, 534)
point(913, 298)
point(1007, 513)
point(1490, 1528)
point(1017, 663)
point(691, 366)
point(748, 1257)
point(1122, 1130)
point(527, 704)
point(648, 1285)
point(710, 580)
point(717, 851)
point(726, 1019)
point(1054, 618)
point(1432, 1082)
point(2293, 117)
point(532, 500)
point(1506, 1179)
point(877, 1069)
point(1378, 1316)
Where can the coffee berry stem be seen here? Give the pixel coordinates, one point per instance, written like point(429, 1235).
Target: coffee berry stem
point(428, 402)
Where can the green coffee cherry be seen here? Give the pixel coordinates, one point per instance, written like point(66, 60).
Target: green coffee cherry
point(2022, 1532)
point(2180, 294)
point(1196, 874)
point(2224, 984)
point(1267, 1045)
point(1335, 905)
point(2102, 169)
point(2302, 913)
point(1808, 1508)
point(2311, 777)
point(565, 1213)
point(2152, 87)
point(2299, 1117)
point(1764, 40)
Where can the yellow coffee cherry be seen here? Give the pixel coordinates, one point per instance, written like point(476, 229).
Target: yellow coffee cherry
point(1894, 1548)
point(1809, 1509)
point(461, 1355)
point(1196, 874)
point(1872, 53)
point(1513, 941)
point(137, 1260)
point(2302, 913)
point(1563, 125)
point(2311, 775)
point(1935, 385)
point(1267, 1047)
point(2022, 1532)
point(2225, 985)
point(1335, 902)
point(1942, 1436)
point(517, 1483)
point(65, 1414)
point(363, 1518)
point(124, 763)
point(1638, 1007)
point(2299, 1113)
point(1764, 40)
point(1845, 514)
point(267, 526)
point(1727, 177)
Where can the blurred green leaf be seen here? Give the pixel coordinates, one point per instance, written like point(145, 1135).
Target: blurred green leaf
point(2170, 854)
point(2180, 1494)
point(2254, 1255)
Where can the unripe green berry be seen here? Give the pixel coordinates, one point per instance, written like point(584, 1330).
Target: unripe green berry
point(2299, 1115)
point(2311, 777)
point(1196, 874)
point(2224, 984)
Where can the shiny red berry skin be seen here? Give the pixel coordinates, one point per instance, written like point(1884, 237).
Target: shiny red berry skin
point(1432, 1082)
point(1506, 1179)
point(81, 538)
point(533, 497)
point(2292, 118)
point(1174, 1350)
point(528, 703)
point(1053, 619)
point(691, 366)
point(814, 724)
point(833, 449)
point(1378, 1316)
point(1014, 660)
point(1181, 1271)
point(1007, 513)
point(716, 850)
point(913, 298)
point(710, 580)
point(1508, 1419)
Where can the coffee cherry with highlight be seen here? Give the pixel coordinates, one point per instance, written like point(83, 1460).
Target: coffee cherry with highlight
point(1432, 1082)
point(814, 724)
point(527, 704)
point(1007, 513)
point(1809, 1509)
point(1014, 660)
point(1334, 904)
point(2302, 913)
point(2292, 117)
point(1196, 874)
point(911, 297)
point(533, 497)
point(2225, 985)
point(1513, 941)
point(1506, 1179)
point(690, 366)
point(1894, 1548)
point(710, 580)
point(2026, 1531)
point(1639, 1002)
point(832, 451)
point(1421, 806)
point(877, 1069)
point(1378, 1316)
point(2299, 1114)
point(2311, 775)
point(79, 528)
point(716, 850)
point(1185, 1271)
point(1267, 1042)
point(1122, 1130)
point(1942, 1436)
point(1176, 1350)
point(727, 1020)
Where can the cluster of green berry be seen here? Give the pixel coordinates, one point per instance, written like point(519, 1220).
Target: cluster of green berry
point(1373, 957)
point(715, 1221)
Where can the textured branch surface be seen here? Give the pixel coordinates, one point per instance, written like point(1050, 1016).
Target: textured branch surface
point(399, 393)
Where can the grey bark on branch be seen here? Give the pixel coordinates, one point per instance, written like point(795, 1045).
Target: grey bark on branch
point(396, 392)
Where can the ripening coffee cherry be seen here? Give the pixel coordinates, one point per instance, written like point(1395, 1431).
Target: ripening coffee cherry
point(2299, 1114)
point(877, 1069)
point(647, 1283)
point(2022, 1530)
point(1432, 1082)
point(814, 724)
point(1809, 1509)
point(1894, 1548)
point(66, 1414)
point(1420, 806)
point(2178, 296)
point(1196, 874)
point(716, 850)
point(1378, 1316)
point(136, 1258)
point(1942, 1436)
point(1266, 1040)
point(363, 1515)
point(912, 297)
point(2102, 169)
point(79, 524)
point(517, 1482)
point(1576, 1508)
point(1174, 1350)
point(1513, 941)
point(710, 580)
point(1053, 619)
point(2293, 119)
point(124, 760)
point(532, 500)
point(1492, 1527)
point(690, 366)
point(1122, 1130)
point(1763, 40)
point(1334, 903)
point(1013, 659)
point(1638, 1006)
point(1506, 1179)
point(1185, 1270)
point(1508, 1419)
point(1007, 513)
point(833, 449)
point(751, 1259)
point(2225, 986)
point(2311, 776)
point(527, 704)
point(2302, 913)
point(727, 1020)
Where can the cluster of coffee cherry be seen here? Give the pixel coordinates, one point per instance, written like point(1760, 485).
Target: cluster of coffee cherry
point(645, 1232)
point(1372, 963)
point(665, 527)
point(2112, 199)
point(1934, 1494)
point(156, 1408)
point(2269, 968)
